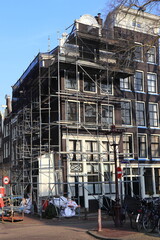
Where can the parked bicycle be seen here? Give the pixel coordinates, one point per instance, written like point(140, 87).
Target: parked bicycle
point(151, 219)
point(141, 213)
point(133, 209)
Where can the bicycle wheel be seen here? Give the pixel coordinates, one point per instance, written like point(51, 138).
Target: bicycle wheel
point(149, 222)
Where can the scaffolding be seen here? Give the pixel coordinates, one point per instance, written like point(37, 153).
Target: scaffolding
point(56, 150)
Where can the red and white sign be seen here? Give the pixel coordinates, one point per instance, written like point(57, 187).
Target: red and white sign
point(6, 180)
point(119, 172)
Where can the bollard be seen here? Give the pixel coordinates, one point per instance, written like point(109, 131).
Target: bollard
point(99, 221)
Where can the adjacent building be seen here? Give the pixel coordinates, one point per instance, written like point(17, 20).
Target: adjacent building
point(1, 148)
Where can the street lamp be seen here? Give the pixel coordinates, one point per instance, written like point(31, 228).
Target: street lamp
point(117, 207)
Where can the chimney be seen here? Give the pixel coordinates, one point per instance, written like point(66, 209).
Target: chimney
point(8, 103)
point(99, 19)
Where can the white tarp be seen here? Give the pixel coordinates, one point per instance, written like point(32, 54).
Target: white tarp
point(67, 206)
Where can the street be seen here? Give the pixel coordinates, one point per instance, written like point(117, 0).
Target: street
point(74, 228)
point(31, 229)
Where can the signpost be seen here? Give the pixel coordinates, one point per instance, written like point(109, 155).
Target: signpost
point(6, 180)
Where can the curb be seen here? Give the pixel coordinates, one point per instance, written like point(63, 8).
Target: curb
point(93, 234)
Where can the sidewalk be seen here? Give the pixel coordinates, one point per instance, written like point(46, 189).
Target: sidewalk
point(110, 232)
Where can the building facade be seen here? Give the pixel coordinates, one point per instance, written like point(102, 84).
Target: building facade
point(98, 89)
point(141, 94)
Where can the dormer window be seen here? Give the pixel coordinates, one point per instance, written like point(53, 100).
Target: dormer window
point(136, 24)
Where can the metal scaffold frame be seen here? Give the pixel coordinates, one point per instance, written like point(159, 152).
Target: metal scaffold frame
point(49, 160)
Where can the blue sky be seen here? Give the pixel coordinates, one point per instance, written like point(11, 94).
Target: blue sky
point(24, 29)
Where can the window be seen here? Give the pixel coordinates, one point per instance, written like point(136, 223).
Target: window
point(138, 52)
point(127, 146)
point(155, 147)
point(109, 185)
point(131, 181)
point(153, 115)
point(136, 24)
point(6, 149)
point(89, 83)
point(140, 114)
point(151, 55)
point(72, 111)
point(75, 188)
point(152, 82)
point(91, 150)
point(108, 172)
point(93, 186)
point(75, 149)
point(125, 83)
point(142, 146)
point(138, 81)
point(70, 50)
point(88, 52)
point(106, 86)
point(71, 80)
point(93, 168)
point(90, 113)
point(126, 113)
point(148, 181)
point(105, 150)
point(157, 180)
point(107, 115)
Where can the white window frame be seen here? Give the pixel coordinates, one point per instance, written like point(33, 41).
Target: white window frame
point(130, 110)
point(137, 44)
point(96, 108)
point(148, 57)
point(101, 89)
point(157, 113)
point(122, 80)
point(105, 124)
point(142, 81)
point(154, 74)
point(139, 134)
point(128, 155)
point(91, 79)
point(158, 143)
point(75, 154)
point(143, 114)
point(66, 108)
point(92, 154)
point(66, 72)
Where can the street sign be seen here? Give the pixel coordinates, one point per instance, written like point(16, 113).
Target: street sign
point(119, 172)
point(6, 180)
